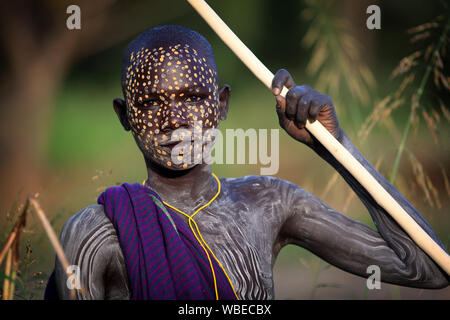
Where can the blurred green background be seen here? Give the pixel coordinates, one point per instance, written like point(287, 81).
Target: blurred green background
point(61, 139)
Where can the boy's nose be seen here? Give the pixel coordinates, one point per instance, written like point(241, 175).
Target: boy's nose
point(175, 119)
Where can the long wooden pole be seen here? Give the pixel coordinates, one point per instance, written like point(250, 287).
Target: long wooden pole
point(381, 196)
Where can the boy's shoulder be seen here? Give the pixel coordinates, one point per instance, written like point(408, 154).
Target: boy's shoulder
point(87, 221)
point(255, 183)
point(252, 181)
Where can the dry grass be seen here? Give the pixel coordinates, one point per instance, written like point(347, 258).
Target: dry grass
point(409, 70)
point(336, 61)
point(11, 247)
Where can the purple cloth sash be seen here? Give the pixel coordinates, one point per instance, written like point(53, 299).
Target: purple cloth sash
point(163, 258)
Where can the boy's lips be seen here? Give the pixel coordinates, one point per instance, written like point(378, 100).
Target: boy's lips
point(173, 142)
point(170, 144)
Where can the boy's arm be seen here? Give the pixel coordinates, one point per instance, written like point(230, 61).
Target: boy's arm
point(92, 248)
point(344, 242)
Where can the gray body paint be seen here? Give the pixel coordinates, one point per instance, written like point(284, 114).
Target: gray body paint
point(248, 224)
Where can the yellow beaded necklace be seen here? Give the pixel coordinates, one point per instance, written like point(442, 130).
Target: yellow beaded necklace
point(201, 241)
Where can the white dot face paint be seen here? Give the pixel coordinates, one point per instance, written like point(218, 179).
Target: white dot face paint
point(169, 88)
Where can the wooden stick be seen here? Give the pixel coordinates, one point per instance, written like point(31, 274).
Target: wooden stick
point(6, 282)
point(52, 237)
point(12, 285)
point(50, 233)
point(14, 240)
point(380, 195)
point(7, 245)
point(15, 233)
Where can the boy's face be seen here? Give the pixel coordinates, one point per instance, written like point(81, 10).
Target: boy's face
point(169, 88)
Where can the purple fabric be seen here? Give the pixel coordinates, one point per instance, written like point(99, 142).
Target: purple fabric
point(163, 262)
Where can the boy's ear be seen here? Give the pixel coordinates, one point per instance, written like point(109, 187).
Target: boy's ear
point(224, 98)
point(120, 107)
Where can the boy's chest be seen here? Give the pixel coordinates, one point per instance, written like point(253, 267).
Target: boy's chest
point(242, 238)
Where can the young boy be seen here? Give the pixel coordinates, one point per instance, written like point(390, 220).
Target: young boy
point(186, 234)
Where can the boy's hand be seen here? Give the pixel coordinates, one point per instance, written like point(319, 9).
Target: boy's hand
point(302, 103)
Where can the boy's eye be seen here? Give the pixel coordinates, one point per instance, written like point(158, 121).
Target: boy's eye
point(193, 97)
point(147, 103)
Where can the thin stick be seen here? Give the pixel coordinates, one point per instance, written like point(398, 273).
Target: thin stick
point(14, 240)
point(11, 248)
point(15, 249)
point(380, 195)
point(50, 233)
point(7, 274)
point(13, 282)
point(15, 233)
point(7, 246)
point(52, 237)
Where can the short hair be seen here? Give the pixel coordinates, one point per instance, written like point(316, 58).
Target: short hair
point(164, 36)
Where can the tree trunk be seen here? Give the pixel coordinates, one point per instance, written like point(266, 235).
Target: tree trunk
point(24, 123)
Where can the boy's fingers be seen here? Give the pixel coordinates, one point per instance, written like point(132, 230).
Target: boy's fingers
point(282, 78)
